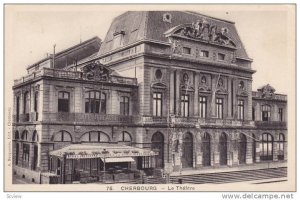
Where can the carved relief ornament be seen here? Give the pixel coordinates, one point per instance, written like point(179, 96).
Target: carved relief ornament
point(204, 31)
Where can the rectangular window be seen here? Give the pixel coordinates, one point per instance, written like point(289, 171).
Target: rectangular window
point(185, 105)
point(157, 104)
point(18, 109)
point(26, 103)
point(186, 50)
point(124, 106)
point(118, 40)
point(204, 53)
point(103, 103)
point(26, 152)
point(221, 56)
point(241, 109)
point(253, 113)
point(63, 101)
point(202, 107)
point(280, 112)
point(35, 102)
point(219, 105)
point(266, 113)
point(95, 102)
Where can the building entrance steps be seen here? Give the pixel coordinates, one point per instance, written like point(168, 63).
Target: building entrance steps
point(207, 170)
point(264, 174)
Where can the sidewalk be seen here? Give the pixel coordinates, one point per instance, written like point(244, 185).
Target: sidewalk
point(255, 166)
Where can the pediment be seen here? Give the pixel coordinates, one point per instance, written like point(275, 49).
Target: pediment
point(243, 93)
point(267, 91)
point(203, 31)
point(187, 88)
point(96, 71)
point(159, 85)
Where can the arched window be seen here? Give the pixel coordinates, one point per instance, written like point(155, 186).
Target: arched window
point(125, 137)
point(95, 102)
point(95, 136)
point(281, 142)
point(242, 149)
point(24, 135)
point(266, 113)
point(62, 136)
point(206, 149)
point(35, 137)
point(253, 148)
point(267, 147)
point(187, 150)
point(157, 145)
point(223, 149)
point(17, 135)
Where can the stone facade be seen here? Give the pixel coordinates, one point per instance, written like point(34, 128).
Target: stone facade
point(199, 58)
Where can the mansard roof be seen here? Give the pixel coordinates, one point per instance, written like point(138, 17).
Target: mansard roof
point(149, 25)
point(77, 52)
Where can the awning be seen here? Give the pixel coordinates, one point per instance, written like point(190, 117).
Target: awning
point(88, 151)
point(120, 159)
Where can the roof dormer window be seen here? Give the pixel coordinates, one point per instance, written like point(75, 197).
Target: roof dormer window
point(118, 39)
point(167, 17)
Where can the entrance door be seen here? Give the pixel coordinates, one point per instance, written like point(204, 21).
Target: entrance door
point(187, 150)
point(157, 145)
point(223, 149)
point(206, 150)
point(242, 149)
point(253, 148)
point(35, 157)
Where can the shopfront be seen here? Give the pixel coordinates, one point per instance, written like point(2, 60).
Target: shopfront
point(86, 163)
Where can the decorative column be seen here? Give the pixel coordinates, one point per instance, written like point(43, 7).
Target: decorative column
point(198, 152)
point(180, 139)
point(234, 142)
point(229, 98)
point(216, 150)
point(213, 96)
point(177, 91)
point(234, 98)
point(285, 147)
point(248, 115)
point(196, 95)
point(39, 155)
point(275, 146)
point(257, 112)
point(31, 155)
point(258, 149)
point(249, 150)
point(171, 99)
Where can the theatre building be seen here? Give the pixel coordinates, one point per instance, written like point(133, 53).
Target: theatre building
point(165, 92)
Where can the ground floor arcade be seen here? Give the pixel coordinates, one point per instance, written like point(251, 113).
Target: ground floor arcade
point(175, 149)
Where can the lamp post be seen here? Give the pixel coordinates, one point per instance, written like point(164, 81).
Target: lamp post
point(104, 152)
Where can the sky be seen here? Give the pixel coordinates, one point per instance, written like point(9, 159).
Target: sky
point(31, 31)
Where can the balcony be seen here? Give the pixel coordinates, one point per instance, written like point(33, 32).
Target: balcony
point(279, 97)
point(87, 118)
point(28, 117)
point(271, 124)
point(194, 122)
point(56, 73)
